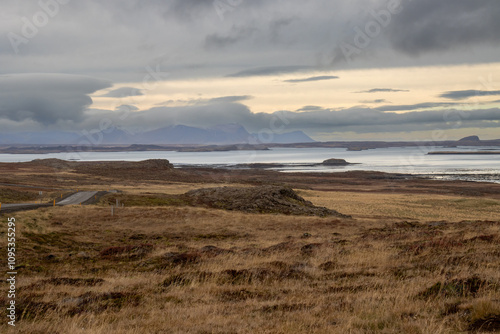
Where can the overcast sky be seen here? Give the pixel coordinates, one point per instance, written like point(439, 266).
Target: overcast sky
point(339, 70)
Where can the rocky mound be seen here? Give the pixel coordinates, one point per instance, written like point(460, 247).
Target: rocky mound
point(153, 169)
point(263, 199)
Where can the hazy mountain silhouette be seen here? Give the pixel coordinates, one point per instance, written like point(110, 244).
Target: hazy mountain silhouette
point(224, 134)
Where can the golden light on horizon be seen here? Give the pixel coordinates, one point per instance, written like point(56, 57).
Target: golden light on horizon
point(272, 93)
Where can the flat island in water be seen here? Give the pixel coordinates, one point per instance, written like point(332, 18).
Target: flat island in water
point(465, 152)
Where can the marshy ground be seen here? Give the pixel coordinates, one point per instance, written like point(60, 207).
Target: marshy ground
point(417, 256)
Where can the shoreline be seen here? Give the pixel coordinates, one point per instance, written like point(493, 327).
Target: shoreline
point(493, 178)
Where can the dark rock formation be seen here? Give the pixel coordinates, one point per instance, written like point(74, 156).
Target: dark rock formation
point(470, 138)
point(264, 199)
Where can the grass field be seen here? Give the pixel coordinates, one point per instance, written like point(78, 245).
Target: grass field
point(405, 263)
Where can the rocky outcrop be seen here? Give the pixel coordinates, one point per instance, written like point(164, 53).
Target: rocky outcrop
point(263, 199)
point(470, 139)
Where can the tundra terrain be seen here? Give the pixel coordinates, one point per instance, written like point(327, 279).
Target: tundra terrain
point(249, 251)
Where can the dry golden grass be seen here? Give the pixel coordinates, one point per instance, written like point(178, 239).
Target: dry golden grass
point(173, 188)
point(422, 207)
point(413, 260)
point(149, 270)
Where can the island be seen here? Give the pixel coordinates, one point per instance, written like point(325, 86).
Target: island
point(465, 152)
point(335, 162)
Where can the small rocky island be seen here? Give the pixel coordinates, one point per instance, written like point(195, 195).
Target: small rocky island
point(335, 162)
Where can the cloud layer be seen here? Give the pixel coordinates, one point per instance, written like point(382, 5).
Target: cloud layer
point(194, 38)
point(383, 90)
point(312, 120)
point(124, 92)
point(317, 78)
point(128, 41)
point(46, 98)
point(465, 94)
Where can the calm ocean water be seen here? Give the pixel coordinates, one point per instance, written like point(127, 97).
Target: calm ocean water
point(407, 160)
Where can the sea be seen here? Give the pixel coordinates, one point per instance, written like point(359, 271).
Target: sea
point(404, 160)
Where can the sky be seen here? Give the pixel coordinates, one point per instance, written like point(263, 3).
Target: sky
point(334, 69)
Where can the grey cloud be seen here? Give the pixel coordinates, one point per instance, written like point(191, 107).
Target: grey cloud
point(215, 100)
point(311, 119)
point(418, 106)
point(126, 108)
point(251, 39)
point(188, 9)
point(230, 99)
point(317, 78)
point(375, 101)
point(465, 94)
point(276, 27)
point(316, 120)
point(217, 42)
point(429, 26)
point(383, 90)
point(46, 98)
point(271, 70)
point(124, 92)
point(194, 115)
point(360, 119)
point(310, 108)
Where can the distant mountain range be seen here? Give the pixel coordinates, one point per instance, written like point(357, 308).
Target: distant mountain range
point(225, 134)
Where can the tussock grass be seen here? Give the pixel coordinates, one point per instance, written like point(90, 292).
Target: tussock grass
point(193, 270)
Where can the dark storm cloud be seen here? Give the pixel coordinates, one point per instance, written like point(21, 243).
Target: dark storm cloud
point(46, 98)
point(271, 70)
point(318, 78)
point(124, 92)
point(465, 94)
point(429, 25)
point(383, 90)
